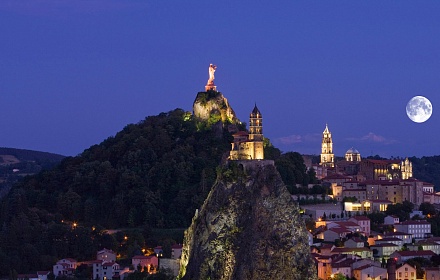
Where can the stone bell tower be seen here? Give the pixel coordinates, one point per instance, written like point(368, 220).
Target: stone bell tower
point(327, 156)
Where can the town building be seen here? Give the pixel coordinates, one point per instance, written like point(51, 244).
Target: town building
point(403, 256)
point(406, 272)
point(363, 222)
point(65, 267)
point(381, 250)
point(391, 220)
point(405, 237)
point(432, 273)
point(176, 251)
point(418, 229)
point(106, 255)
point(368, 272)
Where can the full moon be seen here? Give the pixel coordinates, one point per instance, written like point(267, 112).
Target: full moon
point(419, 109)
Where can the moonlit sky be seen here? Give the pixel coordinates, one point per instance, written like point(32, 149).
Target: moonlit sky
point(74, 72)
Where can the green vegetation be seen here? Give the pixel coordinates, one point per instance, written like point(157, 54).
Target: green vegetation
point(18, 163)
point(427, 169)
point(148, 178)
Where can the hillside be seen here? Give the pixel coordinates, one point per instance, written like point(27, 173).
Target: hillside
point(153, 174)
point(17, 163)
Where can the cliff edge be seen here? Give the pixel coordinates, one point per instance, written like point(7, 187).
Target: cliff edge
point(247, 228)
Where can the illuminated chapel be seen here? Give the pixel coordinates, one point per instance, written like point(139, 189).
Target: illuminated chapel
point(249, 146)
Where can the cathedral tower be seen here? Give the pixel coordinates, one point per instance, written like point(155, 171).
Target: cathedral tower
point(327, 156)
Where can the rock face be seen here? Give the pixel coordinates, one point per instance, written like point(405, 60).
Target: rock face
point(247, 228)
point(212, 106)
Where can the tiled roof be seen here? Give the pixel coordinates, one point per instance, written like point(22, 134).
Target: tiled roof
point(339, 230)
point(389, 239)
point(397, 233)
point(347, 224)
point(345, 263)
point(385, 245)
point(360, 218)
point(415, 253)
point(176, 246)
point(345, 250)
point(420, 222)
point(240, 133)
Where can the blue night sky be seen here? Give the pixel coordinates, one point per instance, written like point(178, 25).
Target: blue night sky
point(74, 72)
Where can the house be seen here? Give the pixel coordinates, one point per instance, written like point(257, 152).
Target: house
point(406, 272)
point(343, 267)
point(376, 205)
point(351, 226)
point(391, 220)
point(42, 275)
point(384, 249)
point(150, 263)
point(364, 253)
point(335, 233)
point(425, 245)
point(418, 229)
point(106, 255)
point(393, 240)
point(176, 251)
point(354, 242)
point(403, 256)
point(105, 270)
point(368, 272)
point(405, 237)
point(432, 273)
point(158, 251)
point(65, 267)
point(363, 222)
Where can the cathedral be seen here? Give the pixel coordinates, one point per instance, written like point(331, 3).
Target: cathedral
point(248, 146)
point(362, 169)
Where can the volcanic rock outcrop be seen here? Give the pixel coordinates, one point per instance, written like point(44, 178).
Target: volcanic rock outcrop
point(247, 228)
point(212, 106)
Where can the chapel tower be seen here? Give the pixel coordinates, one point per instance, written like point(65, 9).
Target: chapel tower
point(249, 146)
point(256, 125)
point(327, 156)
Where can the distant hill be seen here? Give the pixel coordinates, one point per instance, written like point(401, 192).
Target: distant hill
point(17, 163)
point(29, 155)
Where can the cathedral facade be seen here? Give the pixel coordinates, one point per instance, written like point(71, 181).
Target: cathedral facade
point(249, 146)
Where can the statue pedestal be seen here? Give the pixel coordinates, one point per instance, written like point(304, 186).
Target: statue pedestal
point(210, 87)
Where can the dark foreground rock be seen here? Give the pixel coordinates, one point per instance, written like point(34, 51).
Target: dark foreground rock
point(248, 228)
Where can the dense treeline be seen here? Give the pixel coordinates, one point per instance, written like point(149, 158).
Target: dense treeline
point(153, 174)
point(427, 169)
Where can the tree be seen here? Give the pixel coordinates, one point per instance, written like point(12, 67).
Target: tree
point(427, 209)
